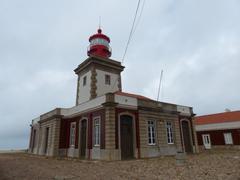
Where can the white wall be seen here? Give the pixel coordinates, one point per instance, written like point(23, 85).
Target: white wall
point(184, 110)
point(124, 100)
point(218, 126)
point(103, 88)
point(84, 91)
point(89, 105)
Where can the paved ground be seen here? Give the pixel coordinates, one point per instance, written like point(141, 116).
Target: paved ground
point(211, 165)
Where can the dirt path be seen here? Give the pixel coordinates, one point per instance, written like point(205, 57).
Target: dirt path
point(212, 165)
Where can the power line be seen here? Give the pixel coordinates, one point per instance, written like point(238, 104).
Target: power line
point(139, 17)
point(133, 28)
point(131, 32)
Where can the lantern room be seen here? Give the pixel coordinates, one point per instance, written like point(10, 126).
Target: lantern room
point(99, 45)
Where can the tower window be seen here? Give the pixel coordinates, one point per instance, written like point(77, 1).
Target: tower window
point(107, 79)
point(84, 80)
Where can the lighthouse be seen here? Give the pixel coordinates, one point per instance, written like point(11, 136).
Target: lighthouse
point(98, 74)
point(99, 45)
point(107, 123)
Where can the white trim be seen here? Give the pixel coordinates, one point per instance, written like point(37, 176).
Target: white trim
point(209, 144)
point(81, 108)
point(125, 100)
point(184, 110)
point(218, 126)
point(154, 126)
point(70, 135)
point(94, 118)
point(172, 131)
point(228, 140)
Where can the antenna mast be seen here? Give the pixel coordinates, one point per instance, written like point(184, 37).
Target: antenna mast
point(99, 22)
point(160, 82)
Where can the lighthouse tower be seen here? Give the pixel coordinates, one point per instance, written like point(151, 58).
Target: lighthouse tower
point(98, 74)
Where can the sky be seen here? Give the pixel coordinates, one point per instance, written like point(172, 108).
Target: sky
point(195, 43)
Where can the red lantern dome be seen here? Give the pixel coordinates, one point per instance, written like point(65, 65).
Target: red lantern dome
point(99, 45)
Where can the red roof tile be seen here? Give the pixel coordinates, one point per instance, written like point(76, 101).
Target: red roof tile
point(218, 118)
point(132, 95)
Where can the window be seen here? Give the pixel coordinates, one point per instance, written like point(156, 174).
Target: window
point(99, 41)
point(84, 80)
point(169, 133)
point(107, 79)
point(151, 133)
point(72, 133)
point(96, 131)
point(228, 138)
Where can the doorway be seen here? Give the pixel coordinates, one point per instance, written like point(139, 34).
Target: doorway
point(46, 141)
point(186, 136)
point(206, 141)
point(126, 136)
point(83, 136)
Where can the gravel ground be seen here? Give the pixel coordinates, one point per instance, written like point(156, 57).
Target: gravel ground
point(208, 165)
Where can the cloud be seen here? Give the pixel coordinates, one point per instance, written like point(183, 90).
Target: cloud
point(196, 43)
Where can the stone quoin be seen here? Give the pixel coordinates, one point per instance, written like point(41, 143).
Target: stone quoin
point(109, 124)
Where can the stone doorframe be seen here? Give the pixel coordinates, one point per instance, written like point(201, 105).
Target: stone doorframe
point(134, 132)
point(190, 132)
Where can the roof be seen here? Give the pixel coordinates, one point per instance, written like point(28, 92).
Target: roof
point(224, 117)
point(132, 95)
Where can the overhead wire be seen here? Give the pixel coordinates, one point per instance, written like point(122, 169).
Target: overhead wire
point(139, 17)
point(132, 31)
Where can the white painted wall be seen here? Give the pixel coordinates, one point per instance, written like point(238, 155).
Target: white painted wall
point(218, 126)
point(86, 106)
point(103, 88)
point(184, 110)
point(84, 91)
point(124, 100)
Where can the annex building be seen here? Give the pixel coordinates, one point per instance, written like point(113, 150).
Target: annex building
point(221, 130)
point(109, 124)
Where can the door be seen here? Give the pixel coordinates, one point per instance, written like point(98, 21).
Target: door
point(186, 137)
point(206, 141)
point(83, 138)
point(126, 136)
point(46, 141)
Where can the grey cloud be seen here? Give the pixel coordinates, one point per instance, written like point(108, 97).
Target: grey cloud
point(196, 43)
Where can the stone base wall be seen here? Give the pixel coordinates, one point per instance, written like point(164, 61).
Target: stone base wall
point(161, 147)
point(53, 138)
point(72, 152)
point(95, 154)
point(219, 147)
